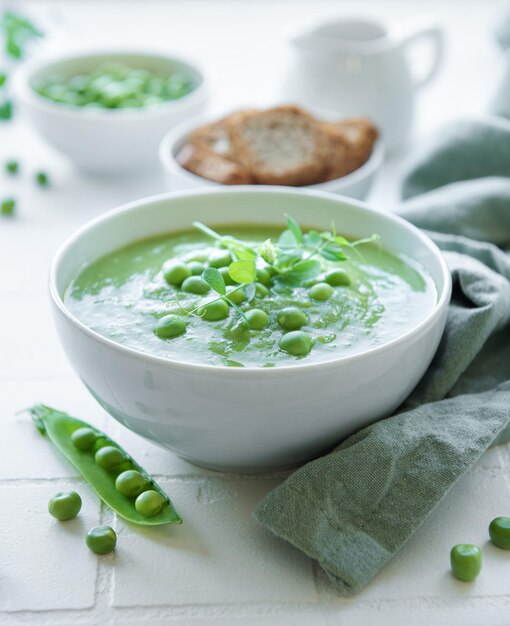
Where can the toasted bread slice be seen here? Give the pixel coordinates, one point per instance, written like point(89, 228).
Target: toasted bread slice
point(213, 166)
point(215, 136)
point(351, 142)
point(280, 146)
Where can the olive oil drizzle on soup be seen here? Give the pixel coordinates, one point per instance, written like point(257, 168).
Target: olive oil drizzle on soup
point(124, 296)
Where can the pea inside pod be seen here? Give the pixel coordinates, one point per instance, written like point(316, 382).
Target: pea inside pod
point(60, 427)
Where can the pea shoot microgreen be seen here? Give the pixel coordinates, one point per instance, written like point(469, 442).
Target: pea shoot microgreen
point(294, 259)
point(16, 33)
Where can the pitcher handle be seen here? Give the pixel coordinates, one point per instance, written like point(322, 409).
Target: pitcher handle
point(425, 30)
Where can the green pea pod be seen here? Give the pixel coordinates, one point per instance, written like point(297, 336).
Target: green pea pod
point(59, 427)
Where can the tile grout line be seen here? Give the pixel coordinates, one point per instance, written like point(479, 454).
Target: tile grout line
point(103, 593)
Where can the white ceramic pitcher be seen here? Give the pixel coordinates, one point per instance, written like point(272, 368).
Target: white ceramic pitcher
point(360, 67)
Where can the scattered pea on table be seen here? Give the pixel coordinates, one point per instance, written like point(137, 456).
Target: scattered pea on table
point(499, 532)
point(101, 539)
point(41, 178)
point(64, 505)
point(8, 207)
point(12, 167)
point(466, 561)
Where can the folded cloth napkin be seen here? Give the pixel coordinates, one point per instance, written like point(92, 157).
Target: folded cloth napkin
point(354, 508)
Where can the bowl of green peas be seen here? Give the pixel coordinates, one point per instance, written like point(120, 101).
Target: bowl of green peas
point(108, 111)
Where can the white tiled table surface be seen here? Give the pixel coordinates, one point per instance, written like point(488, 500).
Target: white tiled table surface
point(220, 567)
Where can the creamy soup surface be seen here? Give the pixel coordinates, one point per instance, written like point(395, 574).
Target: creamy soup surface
point(125, 296)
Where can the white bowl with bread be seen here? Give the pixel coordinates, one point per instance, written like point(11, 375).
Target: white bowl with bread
point(284, 146)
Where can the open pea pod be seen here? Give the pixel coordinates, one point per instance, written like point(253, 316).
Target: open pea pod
point(59, 427)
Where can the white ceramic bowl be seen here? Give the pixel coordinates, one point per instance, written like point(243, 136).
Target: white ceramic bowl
point(246, 419)
point(355, 185)
point(107, 140)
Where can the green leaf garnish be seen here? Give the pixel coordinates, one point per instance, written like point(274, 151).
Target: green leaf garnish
point(215, 280)
point(292, 261)
point(250, 291)
point(243, 272)
point(301, 272)
point(331, 253)
point(287, 240)
point(294, 228)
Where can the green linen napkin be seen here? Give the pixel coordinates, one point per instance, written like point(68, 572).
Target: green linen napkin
point(354, 508)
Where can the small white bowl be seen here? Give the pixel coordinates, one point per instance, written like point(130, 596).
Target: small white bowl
point(246, 419)
point(355, 185)
point(107, 140)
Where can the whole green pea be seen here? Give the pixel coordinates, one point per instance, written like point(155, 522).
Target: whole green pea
point(337, 278)
point(12, 166)
point(149, 503)
point(257, 319)
point(227, 279)
point(41, 178)
point(297, 343)
point(83, 438)
point(196, 268)
point(292, 318)
point(238, 296)
point(466, 561)
point(194, 284)
point(64, 505)
point(130, 483)
point(264, 277)
point(109, 458)
point(219, 258)
point(499, 531)
point(170, 326)
point(101, 539)
point(175, 273)
point(214, 311)
point(261, 291)
point(321, 292)
point(7, 207)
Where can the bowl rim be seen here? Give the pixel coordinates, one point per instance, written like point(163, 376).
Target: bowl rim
point(24, 90)
point(282, 370)
point(180, 131)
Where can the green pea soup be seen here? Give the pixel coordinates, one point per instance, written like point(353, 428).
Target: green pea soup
point(124, 295)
